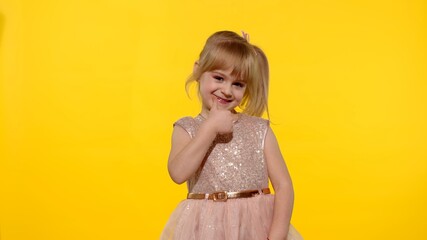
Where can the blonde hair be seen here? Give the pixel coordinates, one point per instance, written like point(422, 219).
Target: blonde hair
point(226, 49)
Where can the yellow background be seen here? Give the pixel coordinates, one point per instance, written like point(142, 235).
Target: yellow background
point(90, 89)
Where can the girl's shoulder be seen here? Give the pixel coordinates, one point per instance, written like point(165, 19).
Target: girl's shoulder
point(254, 126)
point(185, 119)
point(188, 120)
point(254, 120)
point(189, 124)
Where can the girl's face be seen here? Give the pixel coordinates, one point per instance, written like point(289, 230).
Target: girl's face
point(223, 87)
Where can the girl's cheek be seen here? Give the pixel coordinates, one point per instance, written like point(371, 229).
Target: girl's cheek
point(242, 93)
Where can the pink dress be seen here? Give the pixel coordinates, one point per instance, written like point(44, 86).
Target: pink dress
point(234, 162)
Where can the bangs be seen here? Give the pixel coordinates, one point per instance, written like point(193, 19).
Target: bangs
point(229, 55)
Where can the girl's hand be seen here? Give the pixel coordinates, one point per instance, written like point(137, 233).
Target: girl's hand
point(221, 120)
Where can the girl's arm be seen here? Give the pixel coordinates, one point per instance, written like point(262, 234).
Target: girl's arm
point(282, 184)
point(187, 153)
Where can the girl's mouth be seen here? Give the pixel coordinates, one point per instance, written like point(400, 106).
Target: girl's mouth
point(222, 100)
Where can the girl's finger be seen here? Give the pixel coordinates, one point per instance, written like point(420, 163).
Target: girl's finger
point(214, 103)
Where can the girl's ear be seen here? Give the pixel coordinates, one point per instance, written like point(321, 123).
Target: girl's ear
point(195, 67)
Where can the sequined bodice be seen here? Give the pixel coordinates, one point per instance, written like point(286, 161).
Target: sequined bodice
point(234, 162)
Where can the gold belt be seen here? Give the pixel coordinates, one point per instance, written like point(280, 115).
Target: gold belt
point(224, 195)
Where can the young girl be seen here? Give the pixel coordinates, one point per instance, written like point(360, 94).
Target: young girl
point(225, 156)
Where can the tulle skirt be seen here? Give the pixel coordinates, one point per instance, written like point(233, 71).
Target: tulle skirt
point(235, 219)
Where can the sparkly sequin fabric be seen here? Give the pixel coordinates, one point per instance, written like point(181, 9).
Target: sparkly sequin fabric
point(234, 162)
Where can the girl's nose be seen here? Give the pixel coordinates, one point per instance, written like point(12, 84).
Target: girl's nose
point(226, 90)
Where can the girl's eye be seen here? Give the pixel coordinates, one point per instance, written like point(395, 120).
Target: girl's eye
point(219, 78)
point(239, 84)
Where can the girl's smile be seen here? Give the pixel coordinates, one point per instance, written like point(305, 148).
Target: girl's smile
point(222, 100)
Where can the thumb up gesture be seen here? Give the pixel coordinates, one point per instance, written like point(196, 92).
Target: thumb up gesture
point(221, 120)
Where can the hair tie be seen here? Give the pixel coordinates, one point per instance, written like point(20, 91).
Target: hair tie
point(245, 36)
